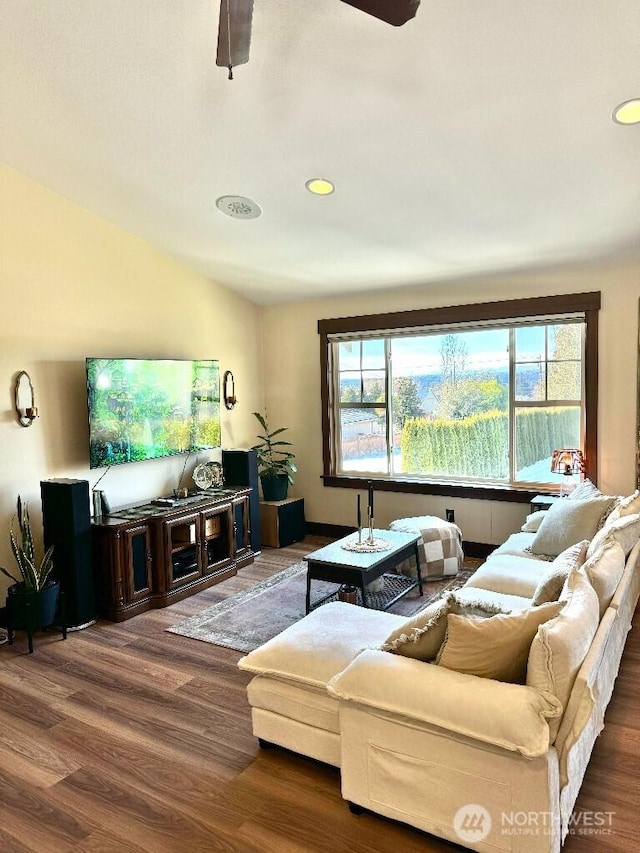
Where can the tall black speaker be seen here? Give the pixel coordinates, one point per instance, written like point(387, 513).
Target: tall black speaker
point(240, 468)
point(67, 526)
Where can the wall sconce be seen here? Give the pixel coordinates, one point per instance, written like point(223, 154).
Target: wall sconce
point(568, 461)
point(24, 400)
point(229, 390)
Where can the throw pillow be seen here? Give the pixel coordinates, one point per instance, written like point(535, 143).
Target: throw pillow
point(568, 522)
point(604, 569)
point(422, 635)
point(561, 644)
point(497, 647)
point(551, 583)
point(624, 530)
point(584, 491)
point(626, 506)
point(533, 521)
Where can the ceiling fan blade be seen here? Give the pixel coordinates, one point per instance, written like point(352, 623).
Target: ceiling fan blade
point(234, 32)
point(395, 12)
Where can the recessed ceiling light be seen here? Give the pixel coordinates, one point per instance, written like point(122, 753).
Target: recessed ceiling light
point(319, 186)
point(628, 112)
point(238, 207)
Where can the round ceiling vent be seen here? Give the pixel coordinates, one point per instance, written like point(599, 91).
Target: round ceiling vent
point(238, 207)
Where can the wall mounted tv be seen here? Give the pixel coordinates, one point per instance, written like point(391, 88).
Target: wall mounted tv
point(147, 408)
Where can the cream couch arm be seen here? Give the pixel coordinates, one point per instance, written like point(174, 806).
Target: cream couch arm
point(511, 716)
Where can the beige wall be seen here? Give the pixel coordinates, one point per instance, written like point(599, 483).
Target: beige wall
point(73, 285)
point(292, 387)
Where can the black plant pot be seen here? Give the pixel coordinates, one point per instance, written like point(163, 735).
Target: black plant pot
point(31, 611)
point(274, 488)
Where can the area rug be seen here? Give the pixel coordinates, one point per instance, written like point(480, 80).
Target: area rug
point(247, 620)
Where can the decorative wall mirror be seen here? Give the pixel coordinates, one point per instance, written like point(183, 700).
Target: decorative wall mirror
point(229, 390)
point(24, 399)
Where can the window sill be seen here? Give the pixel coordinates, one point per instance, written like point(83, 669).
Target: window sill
point(421, 487)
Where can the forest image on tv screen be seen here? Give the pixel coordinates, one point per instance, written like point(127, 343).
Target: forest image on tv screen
point(144, 409)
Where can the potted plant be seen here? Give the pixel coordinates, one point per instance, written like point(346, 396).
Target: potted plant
point(33, 599)
point(276, 465)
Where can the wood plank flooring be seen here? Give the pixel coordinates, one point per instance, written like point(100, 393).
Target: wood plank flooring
point(129, 739)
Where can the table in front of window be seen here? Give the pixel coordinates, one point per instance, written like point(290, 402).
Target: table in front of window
point(543, 501)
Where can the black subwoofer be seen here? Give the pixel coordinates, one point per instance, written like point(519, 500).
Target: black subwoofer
point(67, 526)
point(240, 468)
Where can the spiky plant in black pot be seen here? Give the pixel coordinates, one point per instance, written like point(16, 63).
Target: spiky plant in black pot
point(32, 600)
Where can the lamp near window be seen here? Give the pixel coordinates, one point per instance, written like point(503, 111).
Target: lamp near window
point(568, 461)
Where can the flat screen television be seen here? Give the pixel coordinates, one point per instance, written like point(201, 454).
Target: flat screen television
point(148, 408)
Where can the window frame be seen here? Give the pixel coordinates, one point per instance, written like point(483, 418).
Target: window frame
point(585, 305)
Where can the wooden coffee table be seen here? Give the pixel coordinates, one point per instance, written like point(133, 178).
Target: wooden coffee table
point(335, 564)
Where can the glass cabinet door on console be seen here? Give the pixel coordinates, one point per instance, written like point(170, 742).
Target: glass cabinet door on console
point(123, 569)
point(181, 549)
point(137, 562)
point(241, 527)
point(216, 538)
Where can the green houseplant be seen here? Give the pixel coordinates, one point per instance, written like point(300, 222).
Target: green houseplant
point(275, 461)
point(33, 598)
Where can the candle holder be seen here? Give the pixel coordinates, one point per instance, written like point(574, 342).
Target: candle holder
point(366, 544)
point(370, 539)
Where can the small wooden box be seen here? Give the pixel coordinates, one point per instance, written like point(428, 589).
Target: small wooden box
point(212, 526)
point(184, 534)
point(282, 522)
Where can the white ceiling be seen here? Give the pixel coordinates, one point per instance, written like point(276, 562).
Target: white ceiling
point(475, 139)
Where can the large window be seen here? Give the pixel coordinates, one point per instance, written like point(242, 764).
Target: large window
point(475, 396)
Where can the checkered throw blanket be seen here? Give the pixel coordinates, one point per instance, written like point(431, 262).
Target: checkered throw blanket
point(439, 548)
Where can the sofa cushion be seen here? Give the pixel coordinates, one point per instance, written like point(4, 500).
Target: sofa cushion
point(552, 581)
point(568, 522)
point(517, 545)
point(422, 635)
point(510, 716)
point(314, 649)
point(497, 647)
point(506, 603)
point(509, 574)
point(560, 645)
point(309, 705)
point(625, 530)
point(604, 569)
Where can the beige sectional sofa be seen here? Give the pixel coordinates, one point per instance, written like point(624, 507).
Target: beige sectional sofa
point(475, 719)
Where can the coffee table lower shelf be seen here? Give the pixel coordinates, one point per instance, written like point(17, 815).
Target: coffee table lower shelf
point(395, 587)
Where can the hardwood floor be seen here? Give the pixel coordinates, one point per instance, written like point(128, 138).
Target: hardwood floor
point(128, 739)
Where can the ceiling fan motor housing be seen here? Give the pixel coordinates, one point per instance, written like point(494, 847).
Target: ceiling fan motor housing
point(234, 31)
point(394, 12)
